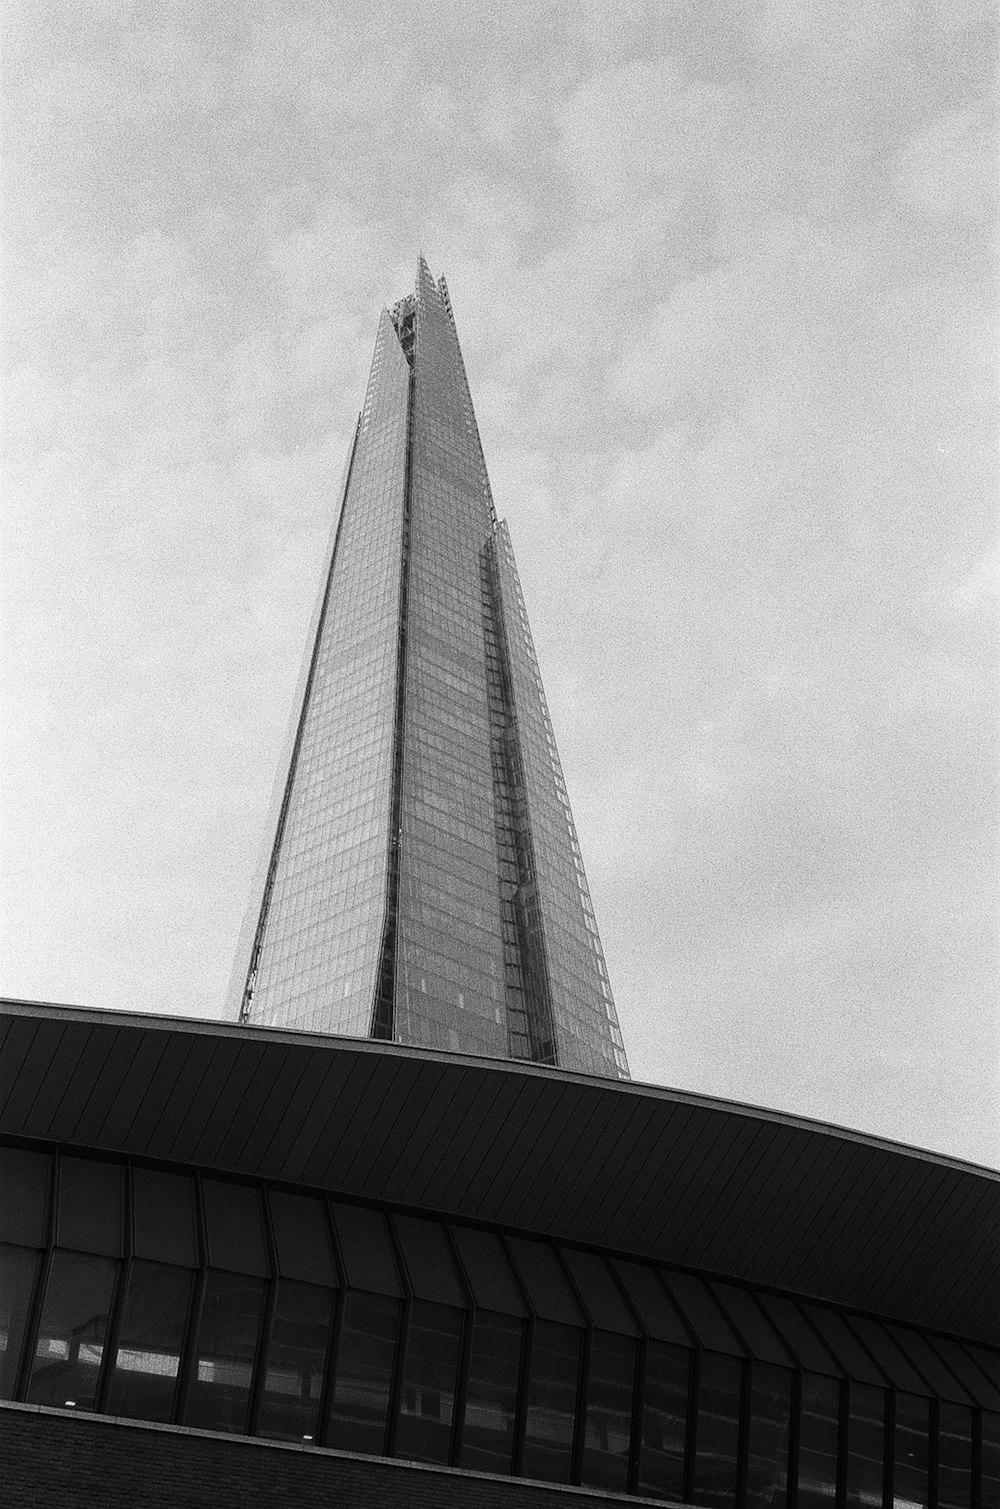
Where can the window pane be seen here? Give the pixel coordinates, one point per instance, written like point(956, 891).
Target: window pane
point(24, 1209)
point(147, 1361)
point(954, 1456)
point(235, 1232)
point(90, 1205)
point(717, 1429)
point(665, 1394)
point(819, 1418)
point(865, 1446)
point(72, 1331)
point(491, 1393)
point(363, 1373)
point(296, 1355)
point(18, 1270)
point(224, 1352)
point(770, 1415)
point(608, 1424)
point(163, 1213)
point(553, 1379)
point(910, 1471)
point(990, 1493)
point(427, 1397)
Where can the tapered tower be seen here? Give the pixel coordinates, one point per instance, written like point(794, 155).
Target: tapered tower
point(424, 883)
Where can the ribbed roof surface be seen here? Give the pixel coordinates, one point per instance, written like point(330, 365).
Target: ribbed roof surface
point(737, 1191)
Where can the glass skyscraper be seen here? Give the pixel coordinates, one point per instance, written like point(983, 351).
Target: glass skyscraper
point(425, 883)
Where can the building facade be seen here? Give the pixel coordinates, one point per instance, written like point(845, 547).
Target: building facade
point(424, 883)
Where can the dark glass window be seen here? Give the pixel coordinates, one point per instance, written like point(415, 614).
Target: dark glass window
point(553, 1379)
point(819, 1423)
point(163, 1213)
point(990, 1491)
point(608, 1421)
point(954, 1456)
point(147, 1361)
point(767, 1446)
point(224, 1352)
point(18, 1271)
point(366, 1350)
point(295, 1359)
point(865, 1445)
point(910, 1450)
point(235, 1232)
point(665, 1395)
point(90, 1205)
point(427, 1396)
point(717, 1429)
point(24, 1209)
point(72, 1331)
point(491, 1393)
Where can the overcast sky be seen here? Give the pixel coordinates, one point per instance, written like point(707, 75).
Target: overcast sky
point(722, 279)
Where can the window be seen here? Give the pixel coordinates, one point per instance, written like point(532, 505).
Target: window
point(954, 1456)
point(427, 1396)
point(717, 1429)
point(359, 1408)
point(865, 1445)
point(551, 1407)
point(608, 1421)
point(910, 1451)
point(72, 1331)
point(224, 1352)
point(665, 1395)
point(491, 1392)
point(819, 1419)
point(18, 1271)
point(294, 1363)
point(147, 1360)
point(767, 1447)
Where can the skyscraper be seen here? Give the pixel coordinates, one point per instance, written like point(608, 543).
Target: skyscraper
point(425, 884)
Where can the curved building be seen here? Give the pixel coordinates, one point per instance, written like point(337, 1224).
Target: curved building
point(352, 1272)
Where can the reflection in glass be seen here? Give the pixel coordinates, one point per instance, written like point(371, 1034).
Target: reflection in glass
point(18, 1269)
point(224, 1352)
point(551, 1413)
point(608, 1424)
point(491, 1392)
point(359, 1409)
point(990, 1491)
point(665, 1397)
point(717, 1429)
point(72, 1331)
point(430, 1369)
point(150, 1337)
point(865, 1445)
point(767, 1456)
point(911, 1443)
point(295, 1359)
point(819, 1421)
point(954, 1456)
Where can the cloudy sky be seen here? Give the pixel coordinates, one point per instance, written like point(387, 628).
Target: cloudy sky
point(722, 277)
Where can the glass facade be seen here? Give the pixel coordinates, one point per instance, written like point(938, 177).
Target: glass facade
point(288, 1315)
point(425, 883)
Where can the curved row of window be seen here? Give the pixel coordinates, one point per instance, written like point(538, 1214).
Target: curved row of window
point(162, 1296)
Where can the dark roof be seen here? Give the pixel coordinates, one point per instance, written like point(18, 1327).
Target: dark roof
point(707, 1184)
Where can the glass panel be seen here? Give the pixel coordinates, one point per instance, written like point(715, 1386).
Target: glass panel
point(990, 1492)
point(430, 1368)
point(18, 1271)
point(144, 1383)
point(912, 1434)
point(544, 1281)
point(553, 1380)
point(366, 1349)
point(767, 1455)
point(428, 1261)
point(819, 1417)
point(235, 1230)
point(24, 1210)
point(865, 1446)
point(163, 1212)
point(72, 1331)
point(491, 1393)
point(717, 1429)
point(226, 1344)
point(369, 1263)
point(488, 1271)
point(608, 1424)
point(90, 1206)
point(296, 1356)
point(665, 1394)
point(302, 1238)
point(954, 1456)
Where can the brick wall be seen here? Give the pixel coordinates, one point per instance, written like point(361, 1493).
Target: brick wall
point(53, 1459)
